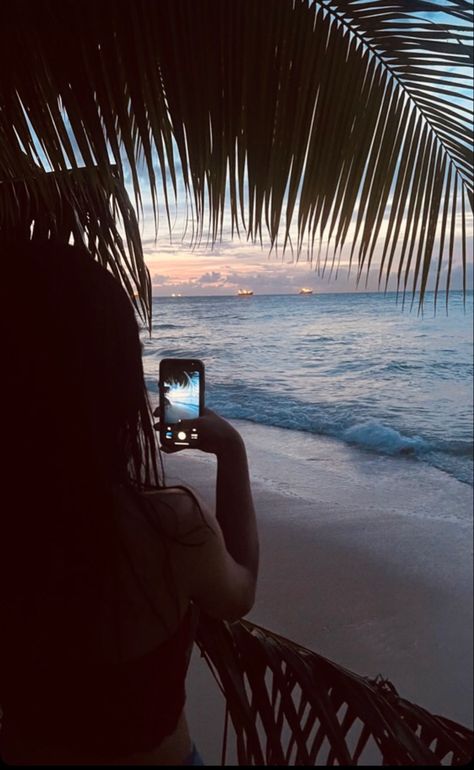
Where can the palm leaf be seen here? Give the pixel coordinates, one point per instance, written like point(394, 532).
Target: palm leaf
point(290, 706)
point(85, 207)
point(332, 117)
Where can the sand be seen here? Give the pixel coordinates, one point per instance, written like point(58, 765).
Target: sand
point(367, 560)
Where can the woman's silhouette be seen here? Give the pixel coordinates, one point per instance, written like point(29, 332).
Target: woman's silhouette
point(102, 569)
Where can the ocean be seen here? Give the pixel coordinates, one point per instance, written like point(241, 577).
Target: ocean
point(354, 367)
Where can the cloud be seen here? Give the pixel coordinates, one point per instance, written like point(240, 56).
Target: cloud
point(159, 280)
point(213, 278)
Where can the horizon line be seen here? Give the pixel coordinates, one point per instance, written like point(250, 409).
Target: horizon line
point(315, 293)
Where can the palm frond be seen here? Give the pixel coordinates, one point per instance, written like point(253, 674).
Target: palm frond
point(290, 706)
point(84, 206)
point(334, 117)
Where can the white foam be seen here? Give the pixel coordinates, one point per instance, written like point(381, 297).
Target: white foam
point(373, 435)
point(347, 480)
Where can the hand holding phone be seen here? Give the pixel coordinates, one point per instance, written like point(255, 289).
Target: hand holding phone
point(216, 435)
point(181, 389)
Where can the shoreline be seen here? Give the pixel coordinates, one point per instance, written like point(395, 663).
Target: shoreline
point(322, 469)
point(379, 551)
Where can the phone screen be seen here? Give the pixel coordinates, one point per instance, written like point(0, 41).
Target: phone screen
point(181, 394)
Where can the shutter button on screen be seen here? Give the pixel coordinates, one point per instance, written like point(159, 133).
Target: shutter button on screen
point(181, 435)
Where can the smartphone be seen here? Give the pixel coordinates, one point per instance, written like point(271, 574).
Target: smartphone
point(181, 389)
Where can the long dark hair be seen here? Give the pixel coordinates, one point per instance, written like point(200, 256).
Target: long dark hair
point(76, 425)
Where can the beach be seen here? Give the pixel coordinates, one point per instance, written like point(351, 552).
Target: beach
point(365, 559)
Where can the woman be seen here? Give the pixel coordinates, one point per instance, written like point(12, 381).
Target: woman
point(102, 568)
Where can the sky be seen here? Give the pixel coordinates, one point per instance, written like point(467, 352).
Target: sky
point(230, 264)
point(233, 265)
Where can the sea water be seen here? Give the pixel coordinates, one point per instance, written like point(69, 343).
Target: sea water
point(356, 367)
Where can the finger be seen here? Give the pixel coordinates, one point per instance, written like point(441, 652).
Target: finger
point(156, 412)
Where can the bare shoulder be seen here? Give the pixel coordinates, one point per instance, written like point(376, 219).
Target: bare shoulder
point(204, 568)
point(182, 514)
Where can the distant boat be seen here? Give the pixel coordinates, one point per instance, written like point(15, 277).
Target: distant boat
point(305, 291)
point(245, 292)
point(176, 295)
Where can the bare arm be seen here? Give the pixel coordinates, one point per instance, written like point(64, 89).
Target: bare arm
point(223, 572)
point(234, 504)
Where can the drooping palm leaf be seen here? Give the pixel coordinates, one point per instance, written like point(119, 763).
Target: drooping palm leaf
point(334, 116)
point(83, 207)
point(290, 706)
